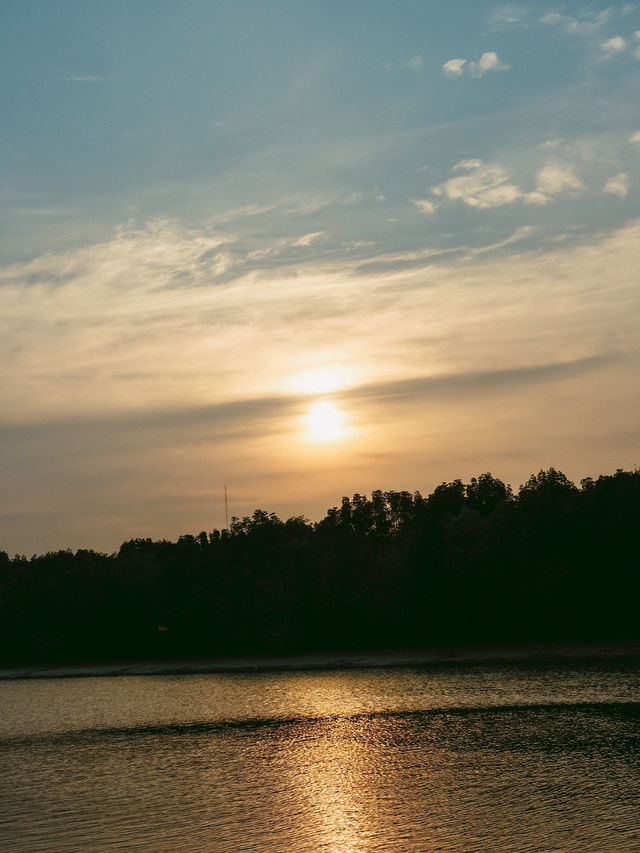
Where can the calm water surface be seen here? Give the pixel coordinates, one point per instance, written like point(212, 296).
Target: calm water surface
point(488, 758)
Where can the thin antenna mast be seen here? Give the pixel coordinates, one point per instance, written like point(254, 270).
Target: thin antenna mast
point(226, 507)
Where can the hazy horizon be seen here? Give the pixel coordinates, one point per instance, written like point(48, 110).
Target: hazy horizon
point(309, 250)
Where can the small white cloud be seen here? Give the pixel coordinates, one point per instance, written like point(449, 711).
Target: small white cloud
point(281, 246)
point(388, 66)
point(635, 137)
point(425, 206)
point(308, 239)
point(508, 16)
point(454, 67)
point(618, 185)
point(556, 177)
point(415, 63)
point(613, 46)
point(484, 185)
point(467, 165)
point(489, 61)
point(536, 198)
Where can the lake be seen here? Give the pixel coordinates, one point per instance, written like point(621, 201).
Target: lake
point(462, 758)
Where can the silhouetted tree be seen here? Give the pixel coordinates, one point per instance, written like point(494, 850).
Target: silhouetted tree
point(470, 563)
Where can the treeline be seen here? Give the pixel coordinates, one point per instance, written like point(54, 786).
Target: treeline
point(470, 563)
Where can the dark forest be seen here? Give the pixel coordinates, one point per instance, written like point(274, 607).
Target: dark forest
point(470, 563)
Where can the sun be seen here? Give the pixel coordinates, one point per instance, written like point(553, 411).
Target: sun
point(325, 422)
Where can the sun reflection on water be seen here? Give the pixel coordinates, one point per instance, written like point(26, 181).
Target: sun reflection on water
point(335, 781)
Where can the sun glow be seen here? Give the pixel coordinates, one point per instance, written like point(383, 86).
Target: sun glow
point(325, 422)
point(321, 380)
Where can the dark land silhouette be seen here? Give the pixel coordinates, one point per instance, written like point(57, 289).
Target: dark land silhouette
point(471, 564)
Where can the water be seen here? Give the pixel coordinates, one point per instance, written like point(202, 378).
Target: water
point(489, 758)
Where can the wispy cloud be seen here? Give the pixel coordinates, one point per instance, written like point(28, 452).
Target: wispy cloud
point(278, 248)
point(480, 382)
point(308, 239)
point(425, 205)
point(585, 22)
point(588, 21)
point(557, 177)
point(399, 261)
point(91, 78)
point(415, 63)
point(489, 61)
point(509, 15)
point(291, 204)
point(618, 185)
point(483, 185)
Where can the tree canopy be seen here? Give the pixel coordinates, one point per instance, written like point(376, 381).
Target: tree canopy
point(470, 563)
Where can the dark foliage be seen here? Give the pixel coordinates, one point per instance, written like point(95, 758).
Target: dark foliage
point(469, 564)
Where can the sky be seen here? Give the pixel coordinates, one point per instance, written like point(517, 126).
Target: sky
point(307, 249)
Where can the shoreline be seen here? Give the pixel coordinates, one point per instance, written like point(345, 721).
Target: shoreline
point(447, 656)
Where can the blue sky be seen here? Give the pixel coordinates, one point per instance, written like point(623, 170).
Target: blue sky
point(216, 215)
